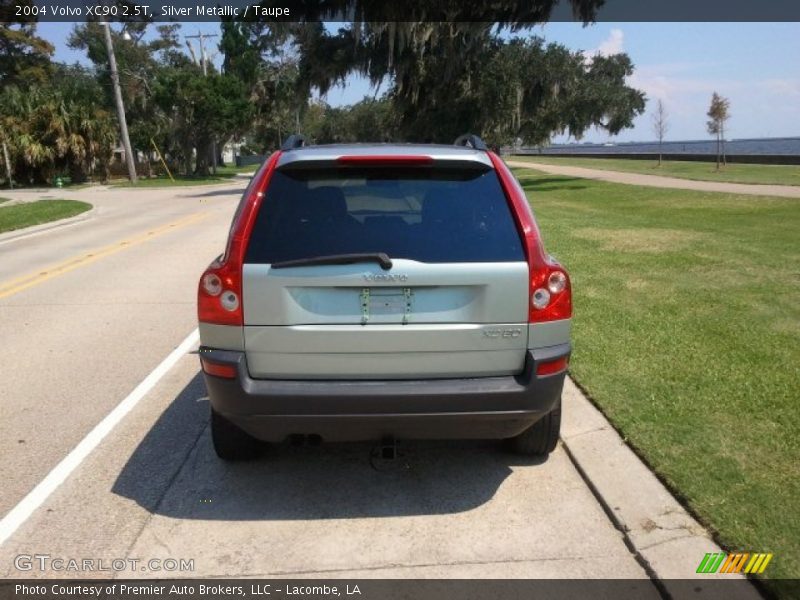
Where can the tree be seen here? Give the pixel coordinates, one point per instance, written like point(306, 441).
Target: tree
point(11, 127)
point(448, 78)
point(276, 102)
point(24, 57)
point(138, 65)
point(718, 114)
point(258, 55)
point(24, 60)
point(530, 90)
point(167, 99)
point(61, 127)
point(437, 68)
point(660, 125)
point(199, 109)
point(369, 120)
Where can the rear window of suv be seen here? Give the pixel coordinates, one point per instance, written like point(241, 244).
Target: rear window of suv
point(431, 215)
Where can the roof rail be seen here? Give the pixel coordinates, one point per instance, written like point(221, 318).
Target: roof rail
point(293, 142)
point(472, 141)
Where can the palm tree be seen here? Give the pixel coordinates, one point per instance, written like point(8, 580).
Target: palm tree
point(48, 131)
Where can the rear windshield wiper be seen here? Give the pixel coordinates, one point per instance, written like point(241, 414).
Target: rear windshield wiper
point(338, 259)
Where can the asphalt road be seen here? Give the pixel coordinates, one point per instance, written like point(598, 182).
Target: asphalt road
point(87, 311)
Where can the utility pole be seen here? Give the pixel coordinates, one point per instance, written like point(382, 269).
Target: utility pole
point(123, 124)
point(202, 37)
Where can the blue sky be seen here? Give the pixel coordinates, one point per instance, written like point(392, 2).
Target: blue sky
point(755, 65)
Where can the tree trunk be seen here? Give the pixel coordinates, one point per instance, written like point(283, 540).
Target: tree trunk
point(718, 151)
point(659, 153)
point(76, 173)
point(722, 135)
point(202, 154)
point(188, 148)
point(9, 172)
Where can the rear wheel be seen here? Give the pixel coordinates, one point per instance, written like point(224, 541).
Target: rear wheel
point(539, 439)
point(230, 442)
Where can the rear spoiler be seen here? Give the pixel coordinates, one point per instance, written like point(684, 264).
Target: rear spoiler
point(470, 140)
point(381, 155)
point(360, 161)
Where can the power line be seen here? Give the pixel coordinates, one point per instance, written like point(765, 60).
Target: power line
point(202, 37)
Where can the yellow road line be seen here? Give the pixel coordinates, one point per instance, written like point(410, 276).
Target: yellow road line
point(14, 286)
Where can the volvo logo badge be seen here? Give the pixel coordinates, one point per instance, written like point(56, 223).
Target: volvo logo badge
point(385, 277)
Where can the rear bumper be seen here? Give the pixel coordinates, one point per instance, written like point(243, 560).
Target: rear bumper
point(353, 410)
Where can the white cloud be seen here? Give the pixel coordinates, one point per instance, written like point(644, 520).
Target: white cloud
point(760, 107)
point(676, 83)
point(613, 44)
point(782, 87)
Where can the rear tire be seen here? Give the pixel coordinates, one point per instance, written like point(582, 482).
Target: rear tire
point(230, 442)
point(540, 439)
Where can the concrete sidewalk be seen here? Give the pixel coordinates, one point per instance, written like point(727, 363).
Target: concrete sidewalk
point(784, 191)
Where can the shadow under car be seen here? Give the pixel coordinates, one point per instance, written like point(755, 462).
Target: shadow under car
point(174, 472)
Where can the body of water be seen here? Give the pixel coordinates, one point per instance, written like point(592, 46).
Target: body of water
point(770, 146)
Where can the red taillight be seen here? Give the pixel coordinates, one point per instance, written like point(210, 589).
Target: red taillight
point(219, 293)
point(550, 293)
point(218, 370)
point(410, 160)
point(559, 298)
point(551, 367)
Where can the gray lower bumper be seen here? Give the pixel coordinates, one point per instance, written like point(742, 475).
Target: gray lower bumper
point(469, 408)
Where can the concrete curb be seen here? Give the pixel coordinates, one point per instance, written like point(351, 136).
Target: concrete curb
point(17, 234)
point(668, 541)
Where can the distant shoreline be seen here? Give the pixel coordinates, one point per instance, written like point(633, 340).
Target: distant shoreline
point(781, 146)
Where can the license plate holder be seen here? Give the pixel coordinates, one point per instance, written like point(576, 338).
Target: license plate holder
point(383, 302)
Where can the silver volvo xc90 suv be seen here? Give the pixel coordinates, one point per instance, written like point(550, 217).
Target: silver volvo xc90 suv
point(384, 291)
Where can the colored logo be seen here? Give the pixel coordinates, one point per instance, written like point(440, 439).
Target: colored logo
point(740, 562)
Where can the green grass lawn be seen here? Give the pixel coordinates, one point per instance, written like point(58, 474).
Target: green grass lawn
point(180, 180)
point(232, 169)
point(686, 329)
point(18, 216)
point(734, 173)
point(224, 173)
